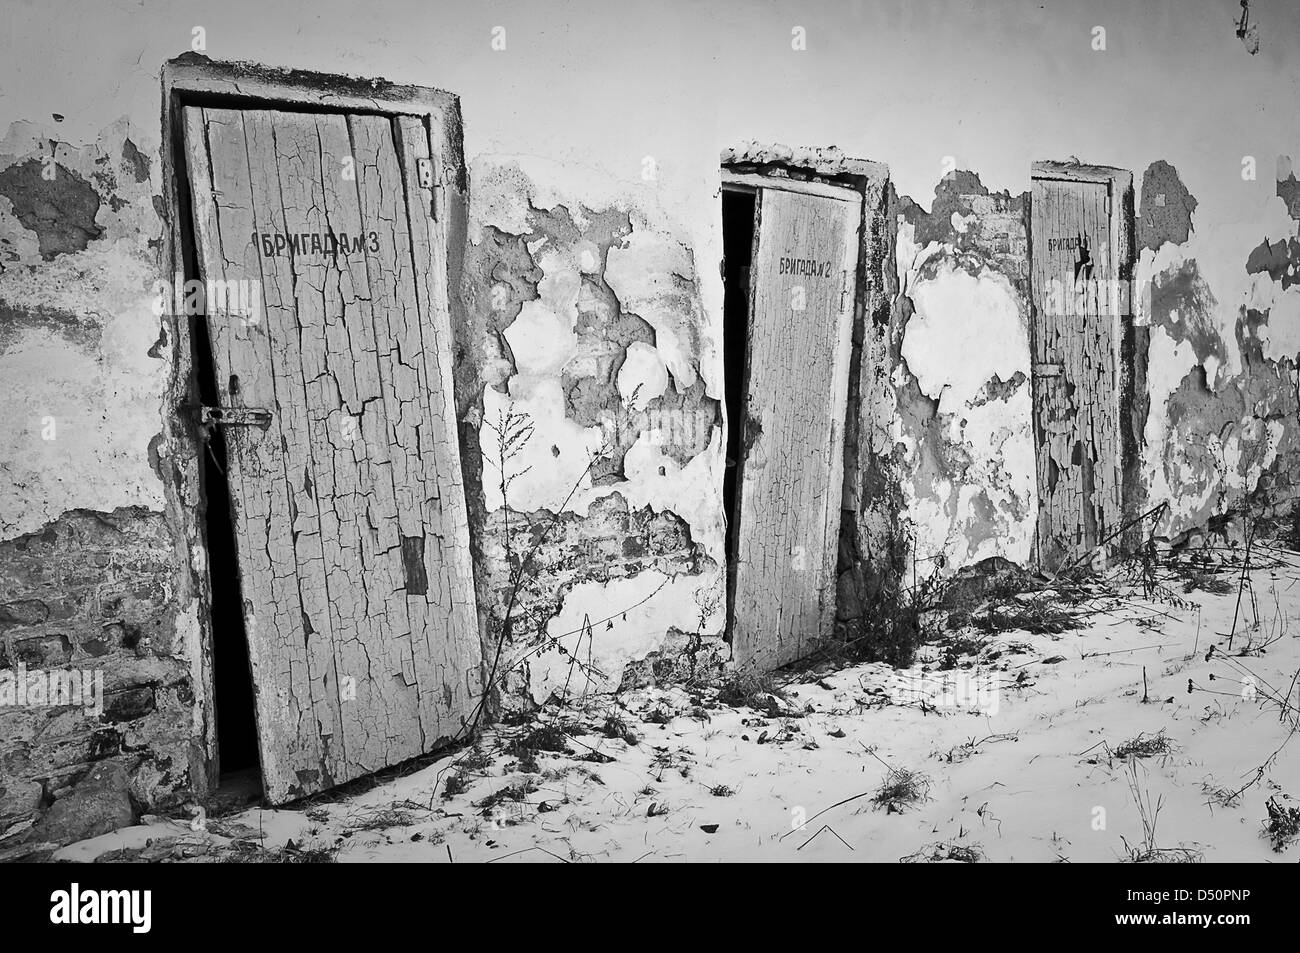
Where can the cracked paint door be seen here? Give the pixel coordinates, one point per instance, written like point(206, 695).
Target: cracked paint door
point(1076, 340)
point(792, 449)
point(348, 508)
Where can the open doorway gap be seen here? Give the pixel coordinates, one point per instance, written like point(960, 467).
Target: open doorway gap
point(739, 212)
point(238, 767)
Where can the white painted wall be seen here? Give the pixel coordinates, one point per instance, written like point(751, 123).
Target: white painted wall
point(586, 92)
point(601, 85)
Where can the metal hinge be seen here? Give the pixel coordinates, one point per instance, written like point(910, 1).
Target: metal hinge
point(425, 176)
point(424, 171)
point(235, 416)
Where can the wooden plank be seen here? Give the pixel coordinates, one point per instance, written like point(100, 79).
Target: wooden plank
point(343, 373)
point(296, 321)
point(1076, 411)
point(377, 658)
point(281, 583)
point(842, 193)
point(317, 91)
point(1076, 172)
point(449, 604)
point(791, 468)
point(410, 311)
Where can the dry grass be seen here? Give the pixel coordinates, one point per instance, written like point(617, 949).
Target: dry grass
point(475, 759)
point(251, 852)
point(382, 820)
point(1209, 582)
point(945, 852)
point(616, 727)
point(901, 789)
point(1038, 616)
point(1283, 825)
point(516, 792)
point(550, 738)
point(1147, 852)
point(1162, 855)
point(1144, 746)
point(751, 690)
point(454, 785)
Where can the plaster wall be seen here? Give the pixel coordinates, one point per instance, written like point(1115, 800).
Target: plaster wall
point(593, 136)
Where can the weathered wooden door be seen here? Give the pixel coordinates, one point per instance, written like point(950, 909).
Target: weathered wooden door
point(792, 450)
point(348, 507)
point(1076, 338)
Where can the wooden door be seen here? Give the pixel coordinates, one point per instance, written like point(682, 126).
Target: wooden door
point(792, 450)
point(1076, 339)
point(348, 508)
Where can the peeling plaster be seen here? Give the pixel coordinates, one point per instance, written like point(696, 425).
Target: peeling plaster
point(654, 277)
point(614, 644)
point(966, 331)
point(1223, 343)
point(603, 334)
point(545, 478)
point(76, 347)
point(1280, 335)
point(643, 374)
point(1167, 207)
point(53, 202)
point(963, 436)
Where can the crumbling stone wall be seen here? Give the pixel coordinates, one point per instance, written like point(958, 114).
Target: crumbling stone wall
point(579, 322)
point(585, 335)
point(93, 571)
point(89, 592)
point(587, 323)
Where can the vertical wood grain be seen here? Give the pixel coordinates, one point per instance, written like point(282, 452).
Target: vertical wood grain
point(1076, 409)
point(792, 453)
point(349, 510)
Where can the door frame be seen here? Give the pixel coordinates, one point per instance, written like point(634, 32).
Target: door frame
point(194, 80)
point(826, 174)
point(1120, 227)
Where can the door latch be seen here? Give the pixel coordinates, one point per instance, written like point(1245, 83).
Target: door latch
point(235, 416)
point(424, 175)
point(424, 171)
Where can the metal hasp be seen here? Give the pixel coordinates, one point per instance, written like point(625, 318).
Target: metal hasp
point(235, 416)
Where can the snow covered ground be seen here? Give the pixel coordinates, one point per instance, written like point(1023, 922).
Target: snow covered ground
point(1031, 747)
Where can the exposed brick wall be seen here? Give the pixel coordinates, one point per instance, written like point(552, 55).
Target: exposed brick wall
point(566, 306)
point(610, 542)
point(88, 593)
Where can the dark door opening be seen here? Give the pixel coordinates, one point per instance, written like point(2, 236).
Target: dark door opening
point(328, 516)
point(790, 277)
point(238, 764)
point(232, 677)
point(738, 212)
